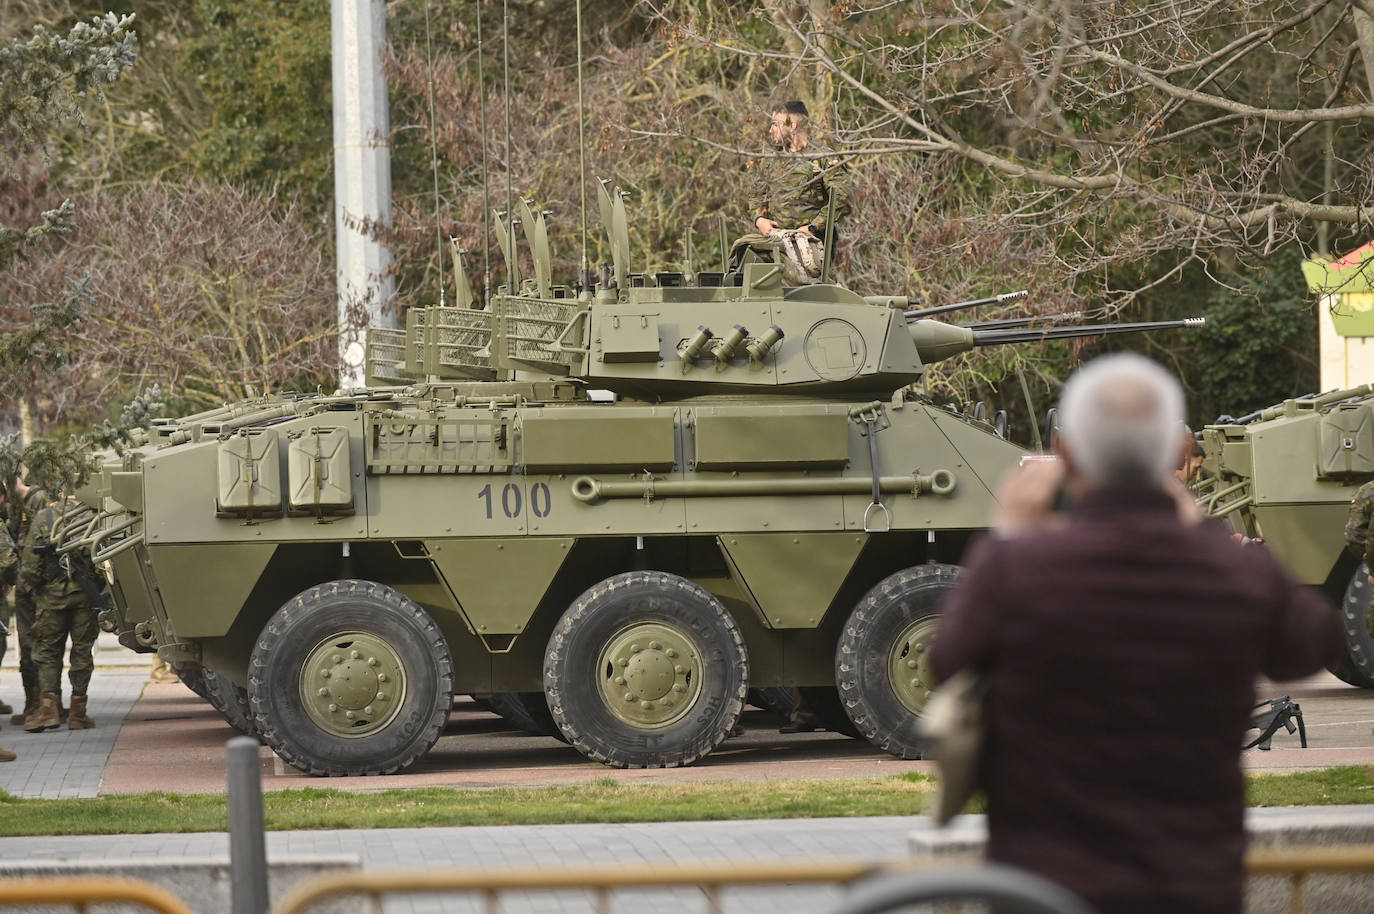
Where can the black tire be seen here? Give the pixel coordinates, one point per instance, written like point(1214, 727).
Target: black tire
point(379, 686)
point(674, 631)
point(194, 679)
point(1357, 666)
point(527, 711)
point(231, 700)
point(891, 629)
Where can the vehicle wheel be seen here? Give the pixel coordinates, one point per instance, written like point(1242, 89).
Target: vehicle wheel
point(880, 662)
point(646, 670)
point(349, 678)
point(528, 711)
point(194, 679)
point(1357, 666)
point(231, 700)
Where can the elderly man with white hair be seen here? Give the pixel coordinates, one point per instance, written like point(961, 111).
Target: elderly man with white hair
point(1121, 637)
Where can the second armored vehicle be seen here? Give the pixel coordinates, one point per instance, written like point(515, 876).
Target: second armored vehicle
point(1287, 474)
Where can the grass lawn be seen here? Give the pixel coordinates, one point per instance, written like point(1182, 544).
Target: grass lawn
point(603, 800)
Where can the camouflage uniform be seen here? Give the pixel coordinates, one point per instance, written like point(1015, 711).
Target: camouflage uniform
point(9, 561)
point(1358, 536)
point(794, 192)
point(20, 514)
point(61, 608)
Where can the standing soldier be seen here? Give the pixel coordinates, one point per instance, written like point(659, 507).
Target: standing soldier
point(61, 610)
point(1357, 528)
point(790, 195)
point(21, 508)
point(9, 561)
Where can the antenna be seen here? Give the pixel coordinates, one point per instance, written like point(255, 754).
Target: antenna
point(486, 196)
point(510, 193)
point(584, 275)
point(434, 154)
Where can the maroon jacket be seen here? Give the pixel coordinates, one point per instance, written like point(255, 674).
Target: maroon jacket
point(1122, 651)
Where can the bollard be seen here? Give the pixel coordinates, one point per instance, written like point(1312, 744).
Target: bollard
point(247, 842)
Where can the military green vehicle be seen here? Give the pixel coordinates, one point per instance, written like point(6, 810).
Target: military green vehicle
point(763, 499)
point(1287, 474)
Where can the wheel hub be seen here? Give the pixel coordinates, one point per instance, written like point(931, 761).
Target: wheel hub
point(650, 675)
point(909, 666)
point(352, 684)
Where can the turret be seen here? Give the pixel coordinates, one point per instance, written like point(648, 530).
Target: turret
point(667, 338)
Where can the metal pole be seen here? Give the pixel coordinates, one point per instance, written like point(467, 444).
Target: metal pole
point(247, 844)
point(362, 177)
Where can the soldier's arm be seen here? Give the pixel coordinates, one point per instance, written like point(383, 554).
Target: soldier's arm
point(758, 193)
point(9, 557)
point(30, 556)
point(838, 184)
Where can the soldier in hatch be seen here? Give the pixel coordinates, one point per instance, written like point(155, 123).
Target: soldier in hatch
point(61, 610)
point(790, 194)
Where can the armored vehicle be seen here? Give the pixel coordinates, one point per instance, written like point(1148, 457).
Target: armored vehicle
point(762, 499)
point(1287, 474)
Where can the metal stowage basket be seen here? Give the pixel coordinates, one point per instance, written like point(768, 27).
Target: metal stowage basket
point(386, 357)
point(449, 342)
point(539, 331)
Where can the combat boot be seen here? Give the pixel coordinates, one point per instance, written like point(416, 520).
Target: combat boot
point(61, 708)
point(30, 705)
point(7, 756)
point(6, 708)
point(78, 719)
point(45, 717)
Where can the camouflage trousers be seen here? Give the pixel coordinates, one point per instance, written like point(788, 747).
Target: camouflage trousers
point(52, 625)
point(23, 631)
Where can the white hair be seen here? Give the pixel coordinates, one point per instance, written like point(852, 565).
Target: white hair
point(1121, 417)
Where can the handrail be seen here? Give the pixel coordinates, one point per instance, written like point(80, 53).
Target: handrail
point(99, 555)
point(71, 543)
point(1222, 493)
point(84, 890)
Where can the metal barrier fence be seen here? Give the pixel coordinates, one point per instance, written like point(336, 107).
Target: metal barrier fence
point(79, 891)
point(602, 881)
point(1300, 863)
point(1297, 863)
point(710, 878)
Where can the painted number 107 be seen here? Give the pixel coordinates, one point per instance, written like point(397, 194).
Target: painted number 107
point(512, 500)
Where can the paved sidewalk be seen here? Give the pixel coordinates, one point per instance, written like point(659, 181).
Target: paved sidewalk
point(69, 763)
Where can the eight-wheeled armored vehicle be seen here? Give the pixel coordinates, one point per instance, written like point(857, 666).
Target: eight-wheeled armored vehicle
point(763, 499)
point(1287, 474)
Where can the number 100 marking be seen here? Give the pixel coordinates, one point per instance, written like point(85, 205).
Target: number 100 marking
point(513, 501)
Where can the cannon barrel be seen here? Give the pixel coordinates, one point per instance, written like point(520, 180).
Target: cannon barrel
point(937, 341)
point(1005, 298)
point(1008, 322)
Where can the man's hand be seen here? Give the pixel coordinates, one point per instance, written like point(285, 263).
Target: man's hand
point(1026, 498)
point(765, 225)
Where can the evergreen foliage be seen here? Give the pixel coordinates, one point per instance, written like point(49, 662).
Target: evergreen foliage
point(43, 81)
